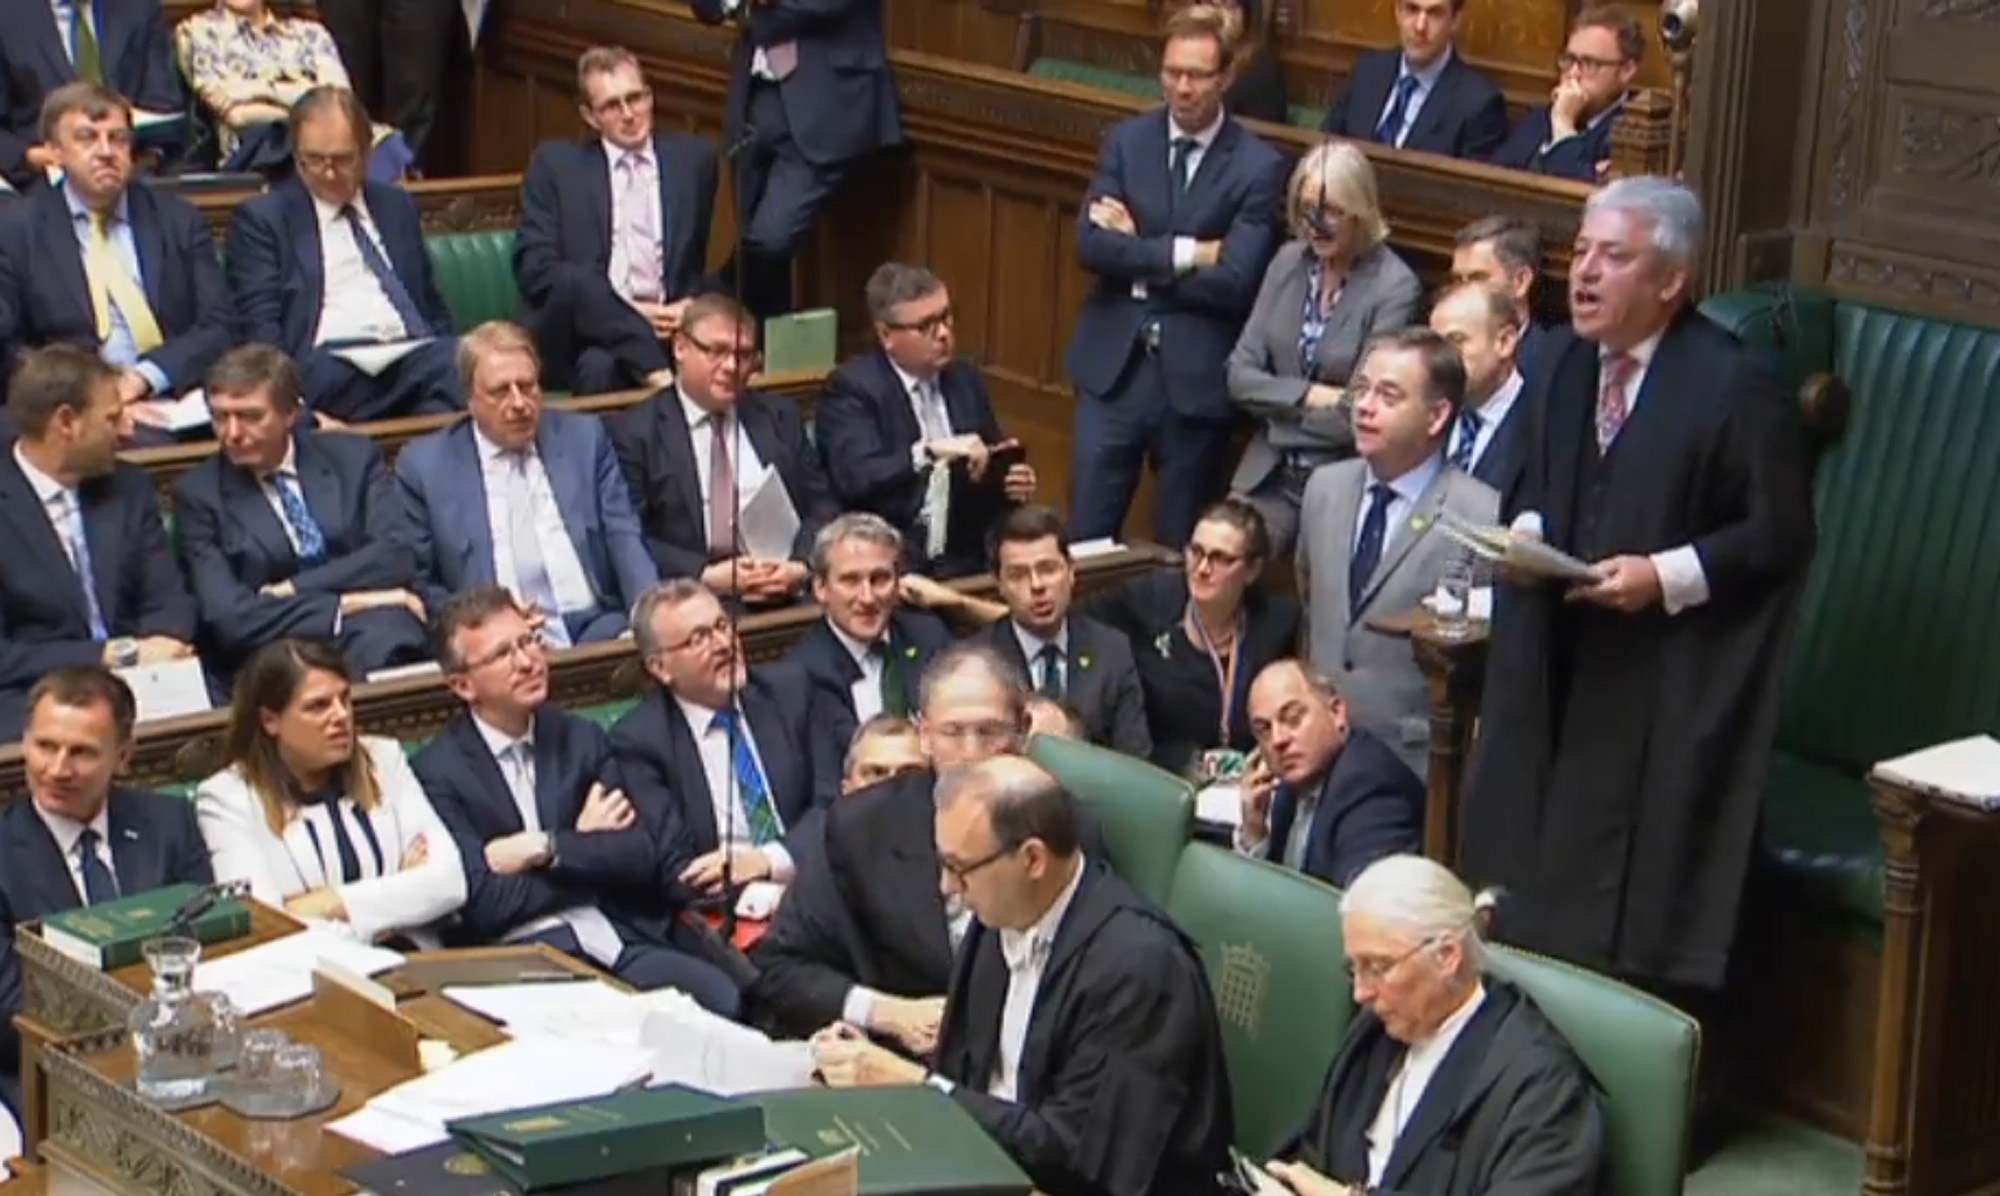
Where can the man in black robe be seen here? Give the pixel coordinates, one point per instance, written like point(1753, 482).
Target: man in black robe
point(1079, 1030)
point(1448, 1083)
point(1627, 721)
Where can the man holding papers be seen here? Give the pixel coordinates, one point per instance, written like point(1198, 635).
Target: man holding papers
point(1627, 719)
point(331, 268)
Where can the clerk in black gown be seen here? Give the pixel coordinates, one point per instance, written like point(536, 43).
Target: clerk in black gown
point(1199, 636)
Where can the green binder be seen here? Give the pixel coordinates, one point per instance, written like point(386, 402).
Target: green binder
point(800, 342)
point(549, 1145)
point(913, 1139)
point(112, 934)
point(449, 1169)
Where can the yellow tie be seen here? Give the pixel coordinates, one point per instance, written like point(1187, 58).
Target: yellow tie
point(112, 284)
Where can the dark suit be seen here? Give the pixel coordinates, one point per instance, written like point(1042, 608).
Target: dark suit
point(1499, 463)
point(444, 496)
point(1370, 805)
point(277, 272)
point(616, 871)
point(590, 338)
point(1100, 682)
point(663, 773)
point(154, 842)
point(134, 45)
point(44, 622)
point(656, 448)
point(1464, 116)
point(830, 670)
point(234, 544)
point(1575, 157)
point(864, 425)
point(1122, 1088)
point(45, 296)
point(1149, 374)
point(800, 136)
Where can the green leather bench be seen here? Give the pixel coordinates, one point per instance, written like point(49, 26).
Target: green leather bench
point(1145, 814)
point(475, 275)
point(1146, 87)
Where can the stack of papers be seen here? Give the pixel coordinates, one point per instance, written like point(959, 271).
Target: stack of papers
point(1220, 804)
point(280, 972)
point(1523, 554)
point(1966, 771)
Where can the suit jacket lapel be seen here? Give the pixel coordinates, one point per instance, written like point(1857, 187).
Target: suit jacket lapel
point(1569, 415)
point(899, 421)
point(1401, 537)
point(1080, 682)
point(111, 36)
point(759, 427)
point(569, 481)
point(36, 848)
point(1346, 511)
point(465, 509)
point(774, 751)
point(689, 776)
point(1284, 811)
point(1153, 175)
point(488, 776)
point(676, 218)
point(58, 232)
point(678, 441)
point(915, 857)
point(18, 501)
point(1454, 1088)
point(46, 35)
point(302, 220)
point(107, 550)
point(1214, 165)
point(148, 238)
point(596, 182)
point(1427, 134)
point(551, 784)
point(134, 857)
point(244, 503)
point(325, 501)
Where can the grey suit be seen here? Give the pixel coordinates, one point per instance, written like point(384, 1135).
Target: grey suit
point(1374, 670)
point(1268, 379)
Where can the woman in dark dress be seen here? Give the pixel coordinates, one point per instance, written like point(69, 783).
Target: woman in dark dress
point(1259, 90)
point(1199, 636)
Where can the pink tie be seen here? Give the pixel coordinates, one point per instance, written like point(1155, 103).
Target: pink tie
point(783, 59)
point(1613, 404)
point(721, 490)
point(641, 230)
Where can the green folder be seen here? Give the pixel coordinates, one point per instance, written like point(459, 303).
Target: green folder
point(546, 1146)
point(804, 341)
point(913, 1139)
point(114, 933)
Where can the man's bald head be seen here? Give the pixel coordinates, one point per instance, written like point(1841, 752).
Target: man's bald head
point(973, 704)
point(1022, 800)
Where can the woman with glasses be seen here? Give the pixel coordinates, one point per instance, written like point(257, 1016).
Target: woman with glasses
point(1199, 636)
point(327, 823)
point(1328, 290)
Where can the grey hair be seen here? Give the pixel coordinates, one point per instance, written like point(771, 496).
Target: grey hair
point(1673, 209)
point(1421, 898)
point(1024, 801)
point(671, 592)
point(895, 283)
point(865, 526)
point(976, 657)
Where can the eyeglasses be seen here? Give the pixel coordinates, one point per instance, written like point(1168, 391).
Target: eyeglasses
point(1199, 555)
point(701, 637)
point(1375, 971)
point(631, 101)
point(1042, 571)
point(1171, 75)
point(720, 352)
point(1586, 63)
point(960, 872)
point(928, 326)
point(526, 645)
point(328, 163)
point(986, 733)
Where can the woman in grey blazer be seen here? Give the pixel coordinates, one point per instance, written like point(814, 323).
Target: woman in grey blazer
point(1325, 294)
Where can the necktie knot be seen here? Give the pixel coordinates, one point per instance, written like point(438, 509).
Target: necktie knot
point(1405, 86)
point(1619, 367)
point(724, 720)
point(86, 843)
point(1380, 494)
point(1185, 145)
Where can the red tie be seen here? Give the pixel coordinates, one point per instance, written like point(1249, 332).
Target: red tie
point(721, 491)
point(1613, 403)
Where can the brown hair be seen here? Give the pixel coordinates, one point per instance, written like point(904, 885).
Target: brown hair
point(94, 100)
point(1029, 524)
point(1631, 35)
point(467, 611)
point(87, 685)
point(1207, 20)
point(1246, 518)
point(268, 683)
point(1516, 243)
point(340, 99)
point(602, 60)
point(1444, 369)
point(1495, 304)
point(492, 337)
point(51, 379)
point(248, 368)
point(716, 306)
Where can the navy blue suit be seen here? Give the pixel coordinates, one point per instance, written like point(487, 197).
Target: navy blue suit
point(154, 842)
point(616, 871)
point(1500, 465)
point(590, 338)
point(44, 622)
point(1575, 157)
point(278, 274)
point(663, 773)
point(444, 497)
point(864, 425)
point(1370, 805)
point(134, 45)
point(234, 544)
point(45, 296)
point(656, 449)
point(1170, 401)
point(914, 637)
point(1465, 116)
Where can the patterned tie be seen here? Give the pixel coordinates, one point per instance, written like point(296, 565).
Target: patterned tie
point(721, 489)
point(112, 285)
point(414, 324)
point(758, 812)
point(531, 572)
point(520, 761)
point(98, 884)
point(312, 540)
point(1613, 403)
point(1368, 546)
point(1052, 672)
point(1390, 131)
point(640, 202)
point(85, 55)
point(937, 490)
point(70, 519)
point(1468, 435)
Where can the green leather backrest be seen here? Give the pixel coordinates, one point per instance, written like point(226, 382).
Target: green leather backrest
point(1146, 815)
point(1641, 1050)
point(1270, 938)
point(605, 714)
point(1794, 328)
point(475, 274)
point(1066, 70)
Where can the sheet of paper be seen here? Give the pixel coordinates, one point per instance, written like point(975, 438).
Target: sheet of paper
point(10, 1139)
point(186, 413)
point(1523, 553)
point(386, 1132)
point(166, 690)
point(689, 1045)
point(280, 972)
point(514, 1075)
point(142, 119)
point(1219, 804)
point(1102, 546)
point(759, 900)
point(768, 523)
point(423, 668)
point(373, 359)
point(519, 1005)
point(1479, 599)
point(1966, 770)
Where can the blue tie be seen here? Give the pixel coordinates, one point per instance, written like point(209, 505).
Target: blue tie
point(79, 550)
point(98, 885)
point(1392, 121)
point(1468, 435)
point(414, 324)
point(312, 541)
point(1368, 546)
point(757, 808)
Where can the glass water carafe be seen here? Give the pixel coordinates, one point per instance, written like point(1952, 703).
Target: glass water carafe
point(175, 1031)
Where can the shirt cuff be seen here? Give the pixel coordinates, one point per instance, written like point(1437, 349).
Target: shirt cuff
point(1246, 846)
point(940, 1083)
point(155, 377)
point(782, 868)
point(1183, 254)
point(858, 1006)
point(920, 457)
point(339, 618)
point(1527, 523)
point(1683, 584)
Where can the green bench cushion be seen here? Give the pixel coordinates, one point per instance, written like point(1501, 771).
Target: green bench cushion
point(1820, 831)
point(1067, 70)
point(475, 275)
point(1145, 814)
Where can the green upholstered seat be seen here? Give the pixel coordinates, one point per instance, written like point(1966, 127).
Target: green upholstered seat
point(1146, 815)
point(1270, 938)
point(1641, 1050)
point(1897, 647)
point(604, 714)
point(1067, 70)
point(1305, 116)
point(475, 274)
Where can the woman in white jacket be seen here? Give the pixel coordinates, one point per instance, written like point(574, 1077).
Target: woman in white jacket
point(329, 824)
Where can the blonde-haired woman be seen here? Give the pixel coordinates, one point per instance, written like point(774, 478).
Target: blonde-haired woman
point(1326, 292)
point(327, 823)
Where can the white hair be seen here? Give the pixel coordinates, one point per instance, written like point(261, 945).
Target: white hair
point(1422, 899)
point(1672, 208)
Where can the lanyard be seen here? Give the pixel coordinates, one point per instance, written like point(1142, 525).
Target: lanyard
point(1225, 677)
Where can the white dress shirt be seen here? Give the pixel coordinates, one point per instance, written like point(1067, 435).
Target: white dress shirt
point(1492, 413)
point(1031, 651)
point(1426, 79)
point(725, 799)
point(648, 166)
point(516, 757)
point(559, 556)
point(743, 456)
point(866, 692)
point(1406, 1087)
point(353, 306)
point(1027, 955)
point(67, 831)
point(933, 414)
point(65, 15)
point(1407, 489)
point(57, 502)
point(1184, 247)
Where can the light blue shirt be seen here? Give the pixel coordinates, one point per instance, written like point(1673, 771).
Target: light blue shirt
point(120, 348)
point(1426, 83)
point(65, 14)
point(1407, 490)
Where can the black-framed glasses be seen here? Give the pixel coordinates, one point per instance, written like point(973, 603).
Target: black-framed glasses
point(928, 326)
point(629, 101)
point(701, 637)
point(962, 872)
point(1375, 971)
point(1587, 63)
point(1199, 555)
point(721, 351)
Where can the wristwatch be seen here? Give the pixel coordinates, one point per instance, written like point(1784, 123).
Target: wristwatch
point(549, 849)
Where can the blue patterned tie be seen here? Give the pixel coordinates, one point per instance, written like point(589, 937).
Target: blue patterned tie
point(757, 808)
point(1368, 546)
point(414, 324)
point(98, 884)
point(79, 553)
point(312, 541)
point(1468, 435)
point(1392, 121)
